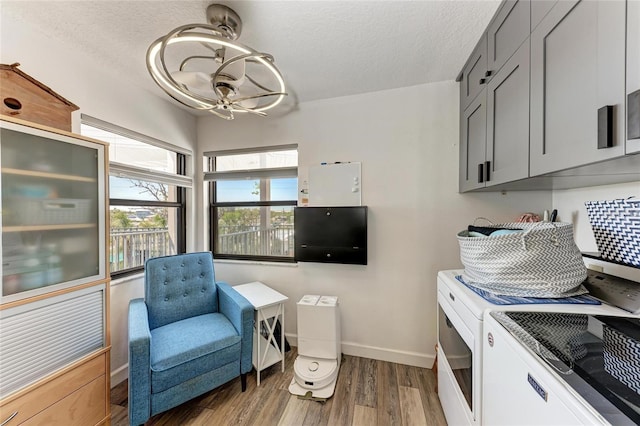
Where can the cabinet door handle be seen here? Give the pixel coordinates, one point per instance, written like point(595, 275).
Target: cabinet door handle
point(605, 127)
point(480, 173)
point(483, 80)
point(488, 73)
point(15, 413)
point(487, 171)
point(633, 115)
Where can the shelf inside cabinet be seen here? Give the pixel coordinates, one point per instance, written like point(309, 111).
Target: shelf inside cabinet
point(30, 228)
point(47, 175)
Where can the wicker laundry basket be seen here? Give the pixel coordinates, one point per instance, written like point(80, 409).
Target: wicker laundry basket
point(541, 261)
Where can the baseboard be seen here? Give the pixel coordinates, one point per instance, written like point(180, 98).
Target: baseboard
point(383, 354)
point(349, 348)
point(119, 375)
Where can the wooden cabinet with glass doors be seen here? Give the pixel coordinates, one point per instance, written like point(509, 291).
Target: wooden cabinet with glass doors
point(54, 318)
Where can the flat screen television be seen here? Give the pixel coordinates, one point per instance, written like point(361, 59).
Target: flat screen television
point(331, 234)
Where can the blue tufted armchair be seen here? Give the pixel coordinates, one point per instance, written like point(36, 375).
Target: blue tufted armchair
point(187, 336)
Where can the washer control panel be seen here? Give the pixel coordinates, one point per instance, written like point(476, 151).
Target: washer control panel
point(613, 290)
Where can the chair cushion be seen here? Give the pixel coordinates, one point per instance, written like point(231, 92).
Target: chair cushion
point(179, 287)
point(186, 349)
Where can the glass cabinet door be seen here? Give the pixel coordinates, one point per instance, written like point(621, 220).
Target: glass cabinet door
point(53, 218)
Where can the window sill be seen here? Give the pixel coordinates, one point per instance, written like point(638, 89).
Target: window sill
point(128, 278)
point(255, 262)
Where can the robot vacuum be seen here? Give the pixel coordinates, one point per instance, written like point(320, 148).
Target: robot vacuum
point(315, 370)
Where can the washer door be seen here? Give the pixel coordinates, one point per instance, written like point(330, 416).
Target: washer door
point(459, 355)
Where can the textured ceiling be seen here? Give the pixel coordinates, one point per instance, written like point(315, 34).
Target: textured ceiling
point(324, 49)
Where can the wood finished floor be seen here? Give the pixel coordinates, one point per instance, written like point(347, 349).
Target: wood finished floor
point(368, 393)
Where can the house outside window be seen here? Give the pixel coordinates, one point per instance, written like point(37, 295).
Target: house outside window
point(252, 195)
point(147, 191)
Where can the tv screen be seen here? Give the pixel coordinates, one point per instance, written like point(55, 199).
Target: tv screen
point(331, 234)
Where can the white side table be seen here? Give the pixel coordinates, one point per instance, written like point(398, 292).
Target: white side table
point(268, 304)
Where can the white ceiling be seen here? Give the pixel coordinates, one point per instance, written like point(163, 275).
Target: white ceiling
point(324, 49)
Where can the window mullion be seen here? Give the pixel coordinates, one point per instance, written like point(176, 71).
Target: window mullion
point(143, 203)
point(181, 197)
point(254, 203)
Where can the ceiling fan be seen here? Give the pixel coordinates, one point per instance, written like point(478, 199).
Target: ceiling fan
point(203, 67)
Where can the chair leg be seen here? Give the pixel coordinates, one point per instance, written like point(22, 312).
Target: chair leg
point(243, 380)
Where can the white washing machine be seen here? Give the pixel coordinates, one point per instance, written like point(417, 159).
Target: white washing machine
point(460, 331)
point(318, 362)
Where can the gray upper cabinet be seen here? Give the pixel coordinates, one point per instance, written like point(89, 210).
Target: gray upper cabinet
point(508, 121)
point(539, 9)
point(474, 73)
point(507, 31)
point(550, 97)
point(473, 142)
point(494, 102)
point(577, 68)
point(495, 128)
point(633, 77)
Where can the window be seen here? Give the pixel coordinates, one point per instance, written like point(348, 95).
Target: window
point(252, 196)
point(146, 196)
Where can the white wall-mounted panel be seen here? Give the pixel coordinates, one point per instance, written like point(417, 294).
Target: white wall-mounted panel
point(334, 185)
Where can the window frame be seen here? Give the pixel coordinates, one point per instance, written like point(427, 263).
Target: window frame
point(180, 204)
point(215, 205)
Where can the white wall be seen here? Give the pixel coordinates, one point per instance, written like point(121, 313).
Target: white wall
point(110, 98)
point(570, 205)
point(407, 141)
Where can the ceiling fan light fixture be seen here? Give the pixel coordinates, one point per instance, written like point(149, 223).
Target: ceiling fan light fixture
point(204, 68)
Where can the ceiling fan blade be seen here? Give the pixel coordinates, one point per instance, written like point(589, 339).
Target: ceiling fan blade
point(261, 95)
point(225, 116)
point(244, 96)
point(193, 79)
point(241, 108)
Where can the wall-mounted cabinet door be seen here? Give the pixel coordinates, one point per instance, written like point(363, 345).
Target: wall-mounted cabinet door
point(633, 77)
point(539, 9)
point(473, 144)
point(508, 30)
point(474, 74)
point(53, 211)
point(508, 121)
point(577, 68)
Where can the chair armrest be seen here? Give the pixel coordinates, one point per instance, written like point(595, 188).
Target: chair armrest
point(240, 312)
point(139, 363)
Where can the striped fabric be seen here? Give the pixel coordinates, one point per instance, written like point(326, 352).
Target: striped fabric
point(622, 357)
point(616, 228)
point(497, 299)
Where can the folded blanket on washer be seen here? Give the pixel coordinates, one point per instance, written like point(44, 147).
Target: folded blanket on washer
point(498, 299)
